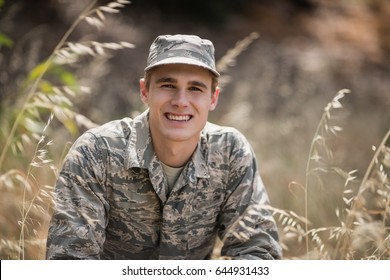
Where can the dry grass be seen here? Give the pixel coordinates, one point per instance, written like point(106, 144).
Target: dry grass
point(363, 218)
point(362, 228)
point(30, 158)
point(32, 154)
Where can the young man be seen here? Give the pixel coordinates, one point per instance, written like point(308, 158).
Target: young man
point(167, 183)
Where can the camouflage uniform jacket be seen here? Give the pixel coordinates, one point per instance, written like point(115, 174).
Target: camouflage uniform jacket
point(112, 200)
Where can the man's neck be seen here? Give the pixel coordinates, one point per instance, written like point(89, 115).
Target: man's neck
point(174, 154)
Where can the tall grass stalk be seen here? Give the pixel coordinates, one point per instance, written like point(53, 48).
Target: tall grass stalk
point(363, 233)
point(36, 82)
point(37, 160)
point(36, 100)
point(371, 205)
point(323, 128)
point(229, 59)
point(85, 15)
point(380, 149)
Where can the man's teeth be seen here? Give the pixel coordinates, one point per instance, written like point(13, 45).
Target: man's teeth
point(178, 117)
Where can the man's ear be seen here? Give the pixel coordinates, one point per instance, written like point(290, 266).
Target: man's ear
point(214, 99)
point(143, 91)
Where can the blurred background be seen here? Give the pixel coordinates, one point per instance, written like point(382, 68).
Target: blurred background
point(275, 92)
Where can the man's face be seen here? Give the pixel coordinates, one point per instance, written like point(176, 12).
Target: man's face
point(179, 98)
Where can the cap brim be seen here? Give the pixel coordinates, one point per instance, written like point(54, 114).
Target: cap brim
point(182, 60)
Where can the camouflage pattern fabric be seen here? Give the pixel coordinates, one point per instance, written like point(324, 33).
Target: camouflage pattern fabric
point(112, 199)
point(183, 49)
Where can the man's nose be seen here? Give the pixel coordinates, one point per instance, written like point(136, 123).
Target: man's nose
point(180, 98)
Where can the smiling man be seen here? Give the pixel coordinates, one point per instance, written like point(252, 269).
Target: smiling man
point(166, 184)
point(179, 98)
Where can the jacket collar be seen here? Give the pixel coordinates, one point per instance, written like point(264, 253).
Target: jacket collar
point(140, 152)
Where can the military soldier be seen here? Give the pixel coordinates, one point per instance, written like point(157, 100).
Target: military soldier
point(166, 184)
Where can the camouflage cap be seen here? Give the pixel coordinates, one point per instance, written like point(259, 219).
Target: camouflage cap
point(182, 49)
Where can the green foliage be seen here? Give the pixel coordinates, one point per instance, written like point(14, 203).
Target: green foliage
point(30, 158)
point(6, 41)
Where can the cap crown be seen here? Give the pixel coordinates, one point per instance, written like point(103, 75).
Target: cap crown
point(182, 49)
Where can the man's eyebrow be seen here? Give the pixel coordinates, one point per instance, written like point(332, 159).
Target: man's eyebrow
point(166, 80)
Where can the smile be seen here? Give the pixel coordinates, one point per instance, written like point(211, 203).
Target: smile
point(180, 118)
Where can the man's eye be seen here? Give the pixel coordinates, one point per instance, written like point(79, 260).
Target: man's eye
point(167, 86)
point(194, 89)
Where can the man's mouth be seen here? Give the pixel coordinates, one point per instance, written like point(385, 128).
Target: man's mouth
point(178, 118)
